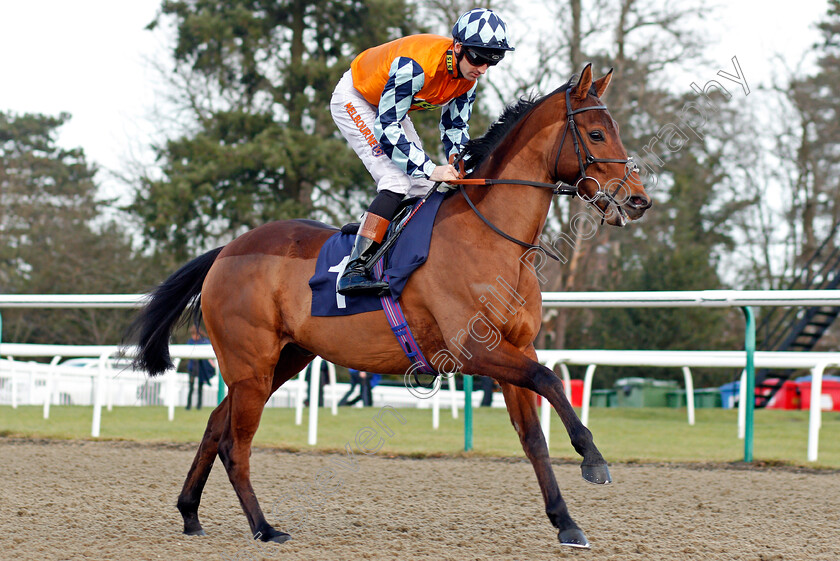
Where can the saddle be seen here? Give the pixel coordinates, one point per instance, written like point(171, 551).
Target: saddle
point(408, 253)
point(401, 215)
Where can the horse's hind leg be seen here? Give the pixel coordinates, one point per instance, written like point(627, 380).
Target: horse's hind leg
point(190, 496)
point(292, 360)
point(248, 396)
point(522, 408)
point(247, 400)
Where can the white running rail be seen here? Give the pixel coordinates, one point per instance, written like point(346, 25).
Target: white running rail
point(703, 298)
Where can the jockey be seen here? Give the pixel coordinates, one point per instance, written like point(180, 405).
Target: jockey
point(370, 106)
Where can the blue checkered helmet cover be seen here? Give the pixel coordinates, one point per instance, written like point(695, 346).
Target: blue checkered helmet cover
point(481, 28)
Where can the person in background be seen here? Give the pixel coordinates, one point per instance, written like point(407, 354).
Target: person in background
point(488, 384)
point(200, 371)
point(365, 381)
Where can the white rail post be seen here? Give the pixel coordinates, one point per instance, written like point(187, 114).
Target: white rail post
point(31, 386)
point(51, 384)
point(436, 410)
point(453, 393)
point(109, 392)
point(12, 381)
point(587, 394)
point(689, 394)
point(567, 380)
point(545, 419)
point(314, 393)
point(301, 387)
point(333, 388)
point(172, 389)
point(97, 396)
point(815, 414)
point(545, 406)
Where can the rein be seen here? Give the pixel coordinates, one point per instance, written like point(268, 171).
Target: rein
point(556, 189)
point(559, 188)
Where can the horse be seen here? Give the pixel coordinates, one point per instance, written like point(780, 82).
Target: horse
point(254, 296)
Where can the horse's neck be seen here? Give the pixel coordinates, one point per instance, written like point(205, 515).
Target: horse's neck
point(518, 210)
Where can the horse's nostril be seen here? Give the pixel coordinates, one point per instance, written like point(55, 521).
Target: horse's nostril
point(639, 202)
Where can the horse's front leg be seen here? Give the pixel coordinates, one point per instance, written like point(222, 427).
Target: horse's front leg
point(594, 467)
point(522, 408)
point(508, 364)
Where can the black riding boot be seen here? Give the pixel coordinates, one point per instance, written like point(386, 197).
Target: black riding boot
point(355, 279)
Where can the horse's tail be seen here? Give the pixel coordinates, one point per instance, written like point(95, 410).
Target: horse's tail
point(166, 303)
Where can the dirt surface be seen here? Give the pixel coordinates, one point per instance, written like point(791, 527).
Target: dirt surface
point(113, 500)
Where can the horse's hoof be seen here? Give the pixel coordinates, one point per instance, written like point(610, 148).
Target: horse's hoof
point(198, 532)
point(281, 537)
point(272, 535)
point(597, 473)
point(573, 537)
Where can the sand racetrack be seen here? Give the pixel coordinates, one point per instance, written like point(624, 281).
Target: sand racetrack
point(116, 500)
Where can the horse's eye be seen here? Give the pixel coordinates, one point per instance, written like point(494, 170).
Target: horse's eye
point(597, 136)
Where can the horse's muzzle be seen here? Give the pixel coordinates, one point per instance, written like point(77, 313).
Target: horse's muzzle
point(619, 212)
point(636, 205)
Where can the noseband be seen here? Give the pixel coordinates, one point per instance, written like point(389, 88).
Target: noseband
point(584, 163)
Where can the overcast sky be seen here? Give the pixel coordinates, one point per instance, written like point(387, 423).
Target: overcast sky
point(91, 59)
point(88, 58)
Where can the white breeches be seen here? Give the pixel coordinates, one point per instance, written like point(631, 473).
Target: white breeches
point(354, 117)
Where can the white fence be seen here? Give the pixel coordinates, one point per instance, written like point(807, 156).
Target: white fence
point(816, 362)
point(684, 359)
point(689, 299)
point(105, 382)
point(101, 381)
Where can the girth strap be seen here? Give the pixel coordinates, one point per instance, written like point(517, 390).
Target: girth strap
point(399, 326)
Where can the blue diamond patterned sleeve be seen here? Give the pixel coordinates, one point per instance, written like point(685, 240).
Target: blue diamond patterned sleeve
point(454, 122)
point(406, 78)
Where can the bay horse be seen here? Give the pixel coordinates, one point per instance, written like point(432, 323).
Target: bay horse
point(255, 298)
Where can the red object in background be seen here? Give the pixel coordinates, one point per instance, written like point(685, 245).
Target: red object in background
point(577, 393)
point(787, 397)
point(829, 387)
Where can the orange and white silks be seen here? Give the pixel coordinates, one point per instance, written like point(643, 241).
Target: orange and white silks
point(432, 52)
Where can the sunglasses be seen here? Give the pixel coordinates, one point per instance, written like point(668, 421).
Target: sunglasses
point(480, 59)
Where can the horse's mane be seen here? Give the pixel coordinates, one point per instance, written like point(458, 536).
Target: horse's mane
point(478, 149)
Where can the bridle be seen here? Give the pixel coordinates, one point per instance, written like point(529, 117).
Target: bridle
point(558, 188)
point(561, 187)
point(583, 164)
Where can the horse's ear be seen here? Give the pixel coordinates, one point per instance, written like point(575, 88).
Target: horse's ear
point(585, 82)
point(602, 83)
